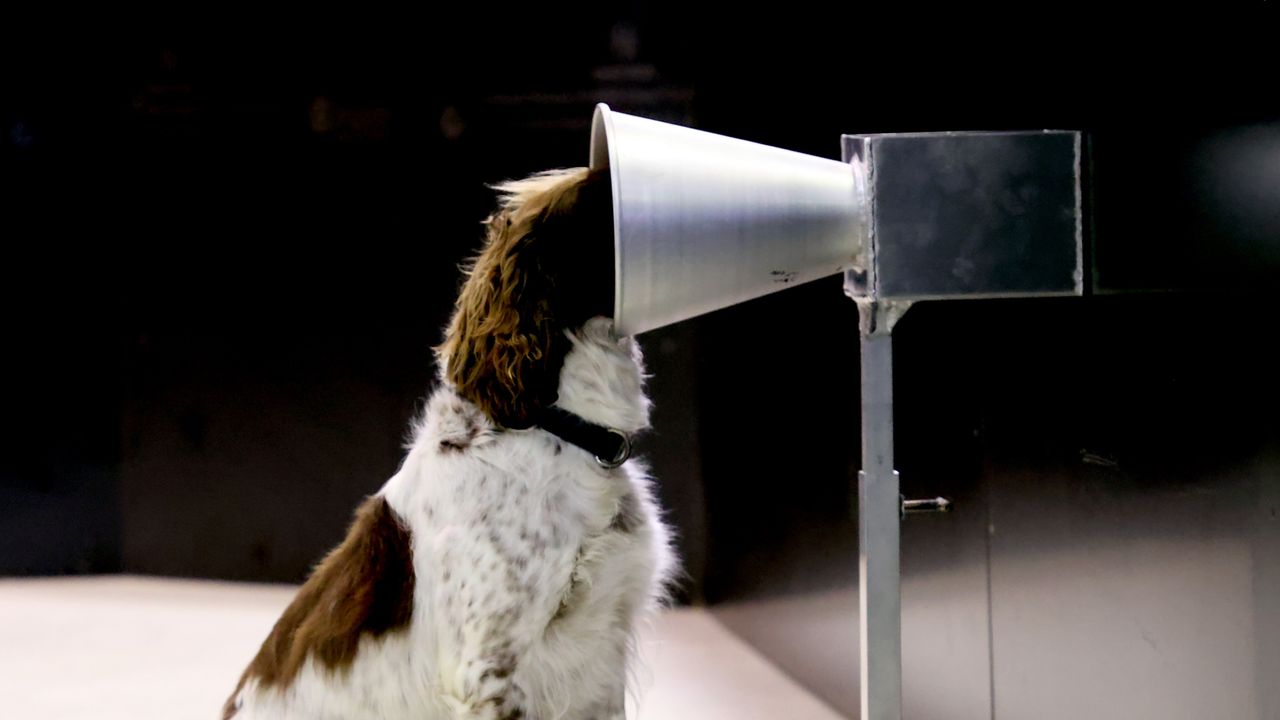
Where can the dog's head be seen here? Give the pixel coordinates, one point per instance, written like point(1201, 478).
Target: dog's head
point(546, 267)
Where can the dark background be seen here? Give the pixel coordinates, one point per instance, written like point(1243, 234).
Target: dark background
point(227, 254)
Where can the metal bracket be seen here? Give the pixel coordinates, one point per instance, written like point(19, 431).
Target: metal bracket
point(879, 317)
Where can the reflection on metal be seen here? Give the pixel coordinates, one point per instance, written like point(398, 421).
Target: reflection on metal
point(702, 221)
point(969, 215)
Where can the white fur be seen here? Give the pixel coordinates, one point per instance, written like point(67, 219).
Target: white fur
point(520, 565)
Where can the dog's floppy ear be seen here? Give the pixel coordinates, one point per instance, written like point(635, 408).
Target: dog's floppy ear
point(505, 345)
point(502, 340)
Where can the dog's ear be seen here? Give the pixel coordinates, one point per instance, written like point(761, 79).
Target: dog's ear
point(505, 345)
point(502, 341)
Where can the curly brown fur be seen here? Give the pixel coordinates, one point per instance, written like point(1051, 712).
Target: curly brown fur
point(539, 272)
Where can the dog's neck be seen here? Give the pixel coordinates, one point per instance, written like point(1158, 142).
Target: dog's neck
point(602, 379)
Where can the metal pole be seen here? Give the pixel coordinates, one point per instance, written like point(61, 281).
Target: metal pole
point(879, 518)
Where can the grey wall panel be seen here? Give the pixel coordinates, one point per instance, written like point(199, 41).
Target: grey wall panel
point(1110, 603)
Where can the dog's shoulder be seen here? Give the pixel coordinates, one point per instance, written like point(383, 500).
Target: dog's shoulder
point(451, 425)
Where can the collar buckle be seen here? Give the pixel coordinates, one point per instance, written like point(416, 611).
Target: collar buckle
point(623, 454)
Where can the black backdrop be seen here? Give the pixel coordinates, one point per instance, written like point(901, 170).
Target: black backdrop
point(225, 259)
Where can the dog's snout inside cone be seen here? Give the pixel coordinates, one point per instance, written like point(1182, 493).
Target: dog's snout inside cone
point(703, 221)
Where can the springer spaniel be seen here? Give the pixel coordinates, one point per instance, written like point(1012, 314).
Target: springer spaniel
point(500, 573)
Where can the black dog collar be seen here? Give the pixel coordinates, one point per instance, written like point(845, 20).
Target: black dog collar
point(610, 447)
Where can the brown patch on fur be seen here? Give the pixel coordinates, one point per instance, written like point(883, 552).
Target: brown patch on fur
point(448, 446)
point(364, 586)
point(462, 439)
point(547, 265)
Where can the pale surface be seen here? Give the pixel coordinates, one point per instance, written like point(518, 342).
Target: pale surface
point(130, 647)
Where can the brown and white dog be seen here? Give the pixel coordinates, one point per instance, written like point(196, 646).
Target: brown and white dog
point(501, 571)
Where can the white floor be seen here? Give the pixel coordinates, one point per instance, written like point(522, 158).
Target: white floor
point(129, 647)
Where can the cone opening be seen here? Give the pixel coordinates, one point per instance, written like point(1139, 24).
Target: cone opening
point(603, 154)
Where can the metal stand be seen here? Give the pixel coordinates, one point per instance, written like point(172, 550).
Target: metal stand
point(702, 222)
point(932, 230)
point(879, 519)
